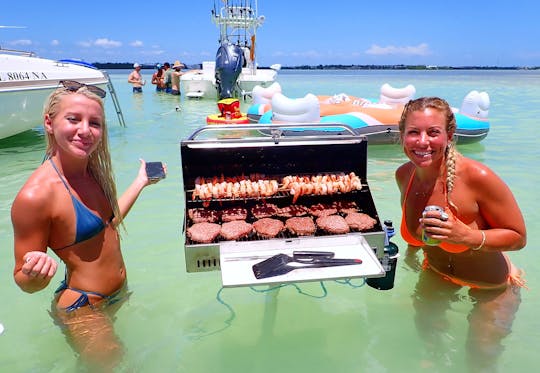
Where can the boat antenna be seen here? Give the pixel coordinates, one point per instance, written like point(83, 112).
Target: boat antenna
point(246, 16)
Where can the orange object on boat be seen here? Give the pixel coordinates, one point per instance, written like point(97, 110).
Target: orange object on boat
point(229, 113)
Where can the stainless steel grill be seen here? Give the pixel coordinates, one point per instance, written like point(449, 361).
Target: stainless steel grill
point(229, 151)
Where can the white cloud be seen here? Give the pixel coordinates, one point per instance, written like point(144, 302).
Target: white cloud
point(136, 43)
point(102, 42)
point(153, 52)
point(106, 43)
point(55, 42)
point(21, 42)
point(418, 50)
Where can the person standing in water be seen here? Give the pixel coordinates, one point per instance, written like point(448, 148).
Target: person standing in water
point(136, 79)
point(465, 243)
point(158, 79)
point(69, 204)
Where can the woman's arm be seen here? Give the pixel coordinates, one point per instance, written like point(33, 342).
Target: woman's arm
point(499, 209)
point(498, 224)
point(33, 269)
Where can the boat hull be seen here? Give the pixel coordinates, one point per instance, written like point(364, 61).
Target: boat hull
point(25, 83)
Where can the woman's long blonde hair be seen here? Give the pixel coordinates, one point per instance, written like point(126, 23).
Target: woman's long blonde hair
point(99, 162)
point(452, 154)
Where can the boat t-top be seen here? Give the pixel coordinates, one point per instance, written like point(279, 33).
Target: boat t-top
point(234, 72)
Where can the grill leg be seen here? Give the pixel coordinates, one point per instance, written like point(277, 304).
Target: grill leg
point(270, 310)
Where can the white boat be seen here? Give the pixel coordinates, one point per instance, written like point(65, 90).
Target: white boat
point(27, 80)
point(237, 22)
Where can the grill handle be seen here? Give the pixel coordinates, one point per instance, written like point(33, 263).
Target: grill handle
point(276, 128)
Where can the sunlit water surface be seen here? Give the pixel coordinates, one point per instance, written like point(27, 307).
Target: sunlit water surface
point(182, 322)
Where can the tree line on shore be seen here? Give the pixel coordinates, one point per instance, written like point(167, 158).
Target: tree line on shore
point(129, 65)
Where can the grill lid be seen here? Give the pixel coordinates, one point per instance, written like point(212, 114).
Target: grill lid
point(278, 155)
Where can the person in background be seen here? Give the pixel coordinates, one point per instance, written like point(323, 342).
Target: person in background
point(167, 81)
point(467, 241)
point(175, 77)
point(157, 79)
point(69, 204)
point(136, 79)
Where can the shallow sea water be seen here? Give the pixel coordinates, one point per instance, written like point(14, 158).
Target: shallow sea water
point(184, 322)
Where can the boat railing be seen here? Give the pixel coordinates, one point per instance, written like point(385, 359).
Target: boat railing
point(18, 52)
point(115, 100)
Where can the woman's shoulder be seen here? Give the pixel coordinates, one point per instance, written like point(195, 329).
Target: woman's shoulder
point(478, 173)
point(404, 171)
point(38, 190)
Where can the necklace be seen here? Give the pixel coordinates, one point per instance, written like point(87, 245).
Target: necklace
point(427, 192)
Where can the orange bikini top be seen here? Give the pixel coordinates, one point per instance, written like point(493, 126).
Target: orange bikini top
point(410, 239)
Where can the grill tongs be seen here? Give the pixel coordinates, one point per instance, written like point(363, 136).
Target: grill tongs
point(281, 264)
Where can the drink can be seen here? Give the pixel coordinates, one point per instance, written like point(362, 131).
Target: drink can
point(428, 240)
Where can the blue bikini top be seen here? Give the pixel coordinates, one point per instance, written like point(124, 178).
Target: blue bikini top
point(88, 223)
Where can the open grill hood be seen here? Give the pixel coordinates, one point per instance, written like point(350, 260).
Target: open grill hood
point(223, 152)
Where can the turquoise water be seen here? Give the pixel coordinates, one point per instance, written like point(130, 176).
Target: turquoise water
point(180, 322)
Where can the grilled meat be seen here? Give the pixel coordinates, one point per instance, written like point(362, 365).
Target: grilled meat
point(233, 213)
point(335, 224)
point(235, 230)
point(360, 221)
point(203, 232)
point(200, 215)
point(322, 209)
point(264, 210)
point(301, 226)
point(292, 211)
point(268, 227)
point(346, 207)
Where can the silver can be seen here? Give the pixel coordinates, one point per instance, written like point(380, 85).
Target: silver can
point(444, 216)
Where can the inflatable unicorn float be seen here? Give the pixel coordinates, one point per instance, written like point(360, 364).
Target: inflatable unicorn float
point(376, 119)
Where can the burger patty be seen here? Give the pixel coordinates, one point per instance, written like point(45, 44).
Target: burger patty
point(360, 221)
point(301, 226)
point(335, 224)
point(236, 229)
point(203, 232)
point(268, 227)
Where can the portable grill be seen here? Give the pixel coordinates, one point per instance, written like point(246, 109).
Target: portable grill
point(227, 151)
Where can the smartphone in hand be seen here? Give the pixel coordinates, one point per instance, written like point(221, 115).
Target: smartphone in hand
point(155, 170)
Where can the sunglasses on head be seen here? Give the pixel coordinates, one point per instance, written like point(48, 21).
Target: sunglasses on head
point(73, 86)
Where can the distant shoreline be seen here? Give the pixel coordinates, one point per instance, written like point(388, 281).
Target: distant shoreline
point(126, 65)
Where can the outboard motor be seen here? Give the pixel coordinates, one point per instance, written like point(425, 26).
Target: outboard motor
point(229, 61)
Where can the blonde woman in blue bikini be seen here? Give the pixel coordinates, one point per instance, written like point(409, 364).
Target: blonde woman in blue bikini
point(69, 204)
point(479, 222)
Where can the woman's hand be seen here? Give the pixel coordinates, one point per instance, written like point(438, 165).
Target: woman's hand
point(142, 175)
point(39, 265)
point(444, 227)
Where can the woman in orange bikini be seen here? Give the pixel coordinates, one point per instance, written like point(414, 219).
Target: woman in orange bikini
point(483, 221)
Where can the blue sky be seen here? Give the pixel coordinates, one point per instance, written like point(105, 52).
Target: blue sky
point(295, 32)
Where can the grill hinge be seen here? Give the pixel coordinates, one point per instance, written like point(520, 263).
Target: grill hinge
point(276, 134)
